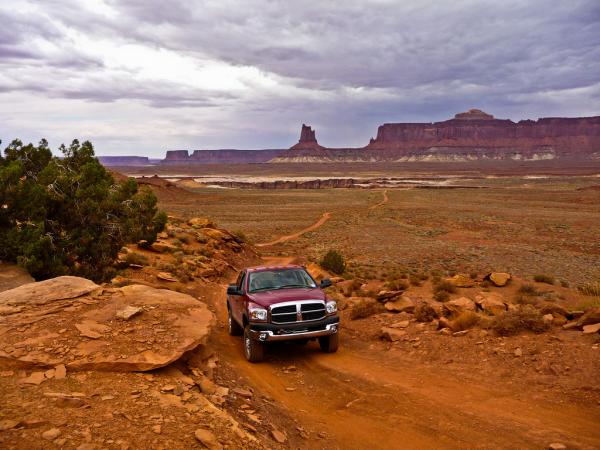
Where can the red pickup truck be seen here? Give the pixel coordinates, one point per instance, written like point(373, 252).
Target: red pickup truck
point(281, 303)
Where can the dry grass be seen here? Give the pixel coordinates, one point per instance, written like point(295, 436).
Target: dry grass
point(547, 227)
point(137, 258)
point(526, 318)
point(424, 312)
point(592, 289)
point(541, 278)
point(465, 321)
point(365, 309)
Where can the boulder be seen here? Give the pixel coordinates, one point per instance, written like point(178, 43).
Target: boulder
point(454, 307)
point(69, 323)
point(591, 329)
point(498, 278)
point(462, 281)
point(392, 334)
point(166, 276)
point(384, 296)
point(207, 439)
point(128, 312)
point(401, 304)
point(491, 303)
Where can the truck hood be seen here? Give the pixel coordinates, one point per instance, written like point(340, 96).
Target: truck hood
point(268, 298)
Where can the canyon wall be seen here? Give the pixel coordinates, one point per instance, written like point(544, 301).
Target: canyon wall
point(469, 136)
point(225, 156)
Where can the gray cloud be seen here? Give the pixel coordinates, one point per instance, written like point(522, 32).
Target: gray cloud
point(345, 66)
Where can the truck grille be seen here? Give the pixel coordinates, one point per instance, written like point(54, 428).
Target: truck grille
point(298, 312)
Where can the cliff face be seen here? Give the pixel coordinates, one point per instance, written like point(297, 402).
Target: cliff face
point(113, 161)
point(226, 156)
point(469, 136)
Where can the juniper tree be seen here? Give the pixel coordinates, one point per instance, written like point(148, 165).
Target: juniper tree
point(68, 215)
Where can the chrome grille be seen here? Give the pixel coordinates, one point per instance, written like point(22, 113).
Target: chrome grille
point(303, 311)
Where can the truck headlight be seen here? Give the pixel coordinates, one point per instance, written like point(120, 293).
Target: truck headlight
point(258, 314)
point(331, 307)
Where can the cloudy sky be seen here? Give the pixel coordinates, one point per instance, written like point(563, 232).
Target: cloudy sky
point(143, 76)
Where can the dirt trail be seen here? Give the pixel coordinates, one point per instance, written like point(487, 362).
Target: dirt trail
point(324, 218)
point(383, 202)
point(365, 397)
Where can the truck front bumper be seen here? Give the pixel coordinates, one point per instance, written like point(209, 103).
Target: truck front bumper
point(267, 332)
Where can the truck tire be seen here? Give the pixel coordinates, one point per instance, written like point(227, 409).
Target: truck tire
point(329, 344)
point(232, 326)
point(253, 350)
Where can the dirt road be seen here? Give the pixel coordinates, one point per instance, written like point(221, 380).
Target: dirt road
point(382, 202)
point(366, 397)
point(324, 218)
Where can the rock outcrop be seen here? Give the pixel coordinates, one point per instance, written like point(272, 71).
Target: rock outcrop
point(73, 322)
point(224, 156)
point(469, 136)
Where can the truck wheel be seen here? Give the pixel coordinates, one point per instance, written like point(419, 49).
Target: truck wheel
point(329, 344)
point(253, 350)
point(232, 326)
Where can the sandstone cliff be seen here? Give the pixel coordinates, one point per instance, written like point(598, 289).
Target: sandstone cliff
point(224, 156)
point(472, 135)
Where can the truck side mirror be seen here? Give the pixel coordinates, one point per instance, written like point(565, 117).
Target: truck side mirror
point(325, 283)
point(232, 289)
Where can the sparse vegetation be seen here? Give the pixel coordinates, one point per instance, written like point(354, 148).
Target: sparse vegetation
point(588, 304)
point(528, 289)
point(592, 289)
point(526, 318)
point(240, 236)
point(444, 287)
point(136, 258)
point(540, 278)
point(424, 312)
point(334, 262)
point(365, 309)
point(465, 321)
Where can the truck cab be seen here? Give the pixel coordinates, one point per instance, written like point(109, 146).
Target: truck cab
point(277, 303)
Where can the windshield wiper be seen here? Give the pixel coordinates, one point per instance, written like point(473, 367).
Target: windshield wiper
point(293, 285)
point(285, 286)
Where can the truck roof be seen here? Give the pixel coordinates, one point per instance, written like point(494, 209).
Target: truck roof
point(263, 268)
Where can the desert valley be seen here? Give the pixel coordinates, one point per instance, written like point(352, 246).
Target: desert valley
point(299, 225)
point(469, 302)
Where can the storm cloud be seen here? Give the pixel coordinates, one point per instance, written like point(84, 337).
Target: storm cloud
point(142, 76)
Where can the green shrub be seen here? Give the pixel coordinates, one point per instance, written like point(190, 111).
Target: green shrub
point(334, 262)
point(526, 318)
point(540, 278)
point(68, 215)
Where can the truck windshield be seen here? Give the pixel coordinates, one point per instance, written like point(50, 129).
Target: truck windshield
point(267, 280)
